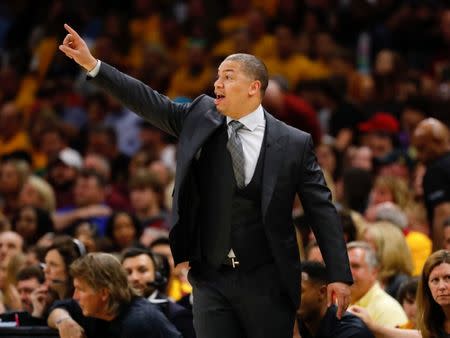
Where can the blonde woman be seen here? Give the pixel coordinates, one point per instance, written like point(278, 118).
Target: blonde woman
point(38, 193)
point(8, 272)
point(393, 253)
point(388, 189)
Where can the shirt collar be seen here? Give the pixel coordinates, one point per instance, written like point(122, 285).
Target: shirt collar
point(153, 298)
point(367, 298)
point(253, 120)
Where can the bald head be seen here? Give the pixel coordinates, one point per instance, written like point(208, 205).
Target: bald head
point(431, 140)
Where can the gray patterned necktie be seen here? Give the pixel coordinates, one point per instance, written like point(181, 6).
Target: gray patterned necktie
point(234, 146)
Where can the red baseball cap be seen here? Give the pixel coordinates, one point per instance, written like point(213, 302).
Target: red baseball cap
point(380, 122)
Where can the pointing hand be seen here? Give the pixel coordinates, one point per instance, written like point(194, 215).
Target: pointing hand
point(75, 48)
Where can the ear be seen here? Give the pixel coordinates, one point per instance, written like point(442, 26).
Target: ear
point(323, 292)
point(255, 88)
point(104, 294)
point(374, 272)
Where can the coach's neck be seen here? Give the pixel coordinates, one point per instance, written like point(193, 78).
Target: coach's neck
point(246, 108)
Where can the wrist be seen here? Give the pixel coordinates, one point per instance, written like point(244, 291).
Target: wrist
point(61, 320)
point(37, 312)
point(90, 67)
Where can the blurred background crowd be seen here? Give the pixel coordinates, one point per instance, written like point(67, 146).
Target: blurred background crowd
point(359, 75)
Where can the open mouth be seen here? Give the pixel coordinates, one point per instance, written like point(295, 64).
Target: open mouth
point(219, 98)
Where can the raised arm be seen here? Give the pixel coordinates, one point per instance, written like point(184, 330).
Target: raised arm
point(140, 98)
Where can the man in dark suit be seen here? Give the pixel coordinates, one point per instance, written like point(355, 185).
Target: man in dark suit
point(238, 171)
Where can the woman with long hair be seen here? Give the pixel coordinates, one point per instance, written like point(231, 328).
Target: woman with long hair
point(433, 303)
point(32, 223)
point(433, 296)
point(58, 283)
point(393, 253)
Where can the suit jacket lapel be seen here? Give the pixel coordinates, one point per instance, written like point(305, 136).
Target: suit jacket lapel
point(191, 142)
point(272, 160)
point(203, 130)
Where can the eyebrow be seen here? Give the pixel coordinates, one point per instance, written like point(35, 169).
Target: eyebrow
point(226, 70)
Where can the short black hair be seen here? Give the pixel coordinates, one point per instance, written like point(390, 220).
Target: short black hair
point(253, 67)
point(408, 289)
point(30, 272)
point(159, 241)
point(134, 252)
point(316, 271)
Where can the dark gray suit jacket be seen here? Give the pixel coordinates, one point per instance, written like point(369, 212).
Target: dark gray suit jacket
point(290, 168)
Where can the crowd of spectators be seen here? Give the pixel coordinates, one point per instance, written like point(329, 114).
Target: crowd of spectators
point(369, 80)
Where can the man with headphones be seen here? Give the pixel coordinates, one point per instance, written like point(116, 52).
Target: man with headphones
point(145, 275)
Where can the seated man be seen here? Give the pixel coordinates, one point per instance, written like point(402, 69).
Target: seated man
point(146, 277)
point(104, 305)
point(366, 291)
point(29, 279)
point(315, 318)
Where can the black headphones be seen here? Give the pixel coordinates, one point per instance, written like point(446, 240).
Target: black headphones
point(161, 275)
point(160, 281)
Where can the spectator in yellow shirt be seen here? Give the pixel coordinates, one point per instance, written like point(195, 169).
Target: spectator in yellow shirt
point(366, 291)
point(12, 135)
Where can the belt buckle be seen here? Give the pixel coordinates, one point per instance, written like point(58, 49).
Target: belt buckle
point(234, 262)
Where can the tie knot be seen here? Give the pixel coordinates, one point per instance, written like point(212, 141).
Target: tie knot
point(235, 125)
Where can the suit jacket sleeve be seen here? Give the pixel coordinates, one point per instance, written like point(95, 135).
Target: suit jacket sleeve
point(322, 217)
point(143, 100)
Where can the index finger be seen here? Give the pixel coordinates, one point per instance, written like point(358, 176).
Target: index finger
point(71, 31)
point(341, 309)
point(344, 302)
